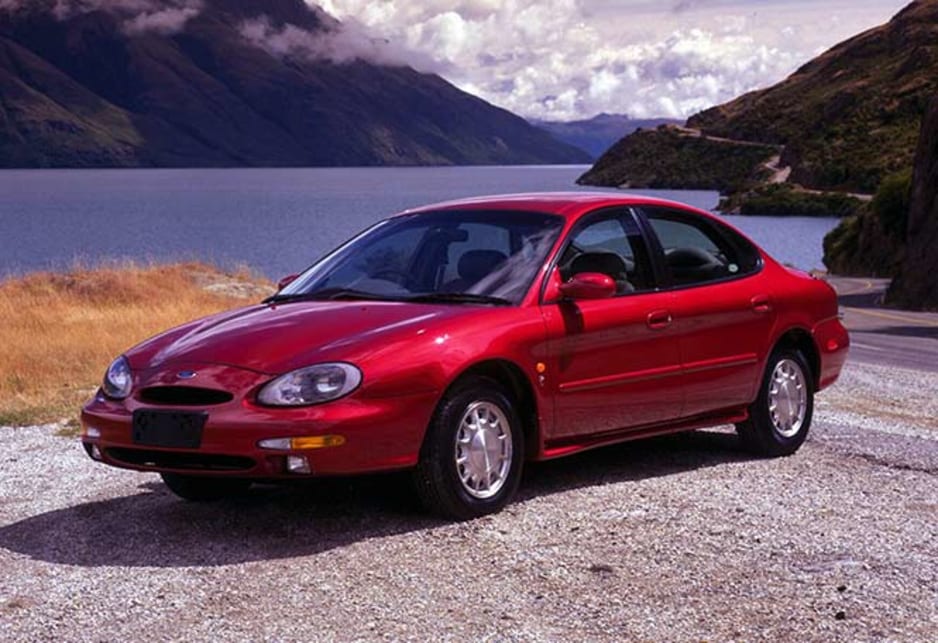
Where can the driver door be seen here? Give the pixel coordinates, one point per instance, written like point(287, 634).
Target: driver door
point(615, 362)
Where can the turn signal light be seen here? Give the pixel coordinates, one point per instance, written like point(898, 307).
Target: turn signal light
point(317, 442)
point(304, 442)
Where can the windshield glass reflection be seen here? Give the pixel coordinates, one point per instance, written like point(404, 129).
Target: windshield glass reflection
point(450, 256)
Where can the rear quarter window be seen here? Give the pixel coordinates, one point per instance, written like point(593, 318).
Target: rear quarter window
point(698, 250)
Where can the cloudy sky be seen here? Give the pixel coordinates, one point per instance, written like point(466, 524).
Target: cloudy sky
point(568, 59)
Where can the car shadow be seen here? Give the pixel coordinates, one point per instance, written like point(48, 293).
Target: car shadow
point(154, 528)
point(631, 461)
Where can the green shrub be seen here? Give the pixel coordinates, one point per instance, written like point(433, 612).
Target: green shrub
point(840, 244)
point(783, 200)
point(891, 203)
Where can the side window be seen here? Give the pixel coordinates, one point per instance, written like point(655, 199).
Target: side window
point(697, 251)
point(604, 236)
point(611, 245)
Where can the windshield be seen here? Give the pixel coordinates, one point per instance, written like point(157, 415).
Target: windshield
point(453, 256)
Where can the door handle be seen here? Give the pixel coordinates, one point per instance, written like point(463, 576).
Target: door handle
point(659, 319)
point(761, 304)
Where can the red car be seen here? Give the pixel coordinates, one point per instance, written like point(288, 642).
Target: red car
point(460, 340)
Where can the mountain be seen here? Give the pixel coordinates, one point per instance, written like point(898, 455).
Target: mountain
point(182, 83)
point(596, 135)
point(844, 120)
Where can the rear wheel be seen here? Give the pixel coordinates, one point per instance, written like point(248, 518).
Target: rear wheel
point(204, 488)
point(471, 460)
point(780, 417)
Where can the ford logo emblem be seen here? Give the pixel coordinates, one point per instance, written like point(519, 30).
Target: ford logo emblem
point(185, 375)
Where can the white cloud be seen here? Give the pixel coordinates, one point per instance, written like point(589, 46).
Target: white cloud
point(163, 20)
point(565, 59)
point(338, 43)
point(137, 16)
point(557, 59)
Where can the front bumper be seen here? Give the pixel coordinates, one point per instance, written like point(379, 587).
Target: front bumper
point(380, 434)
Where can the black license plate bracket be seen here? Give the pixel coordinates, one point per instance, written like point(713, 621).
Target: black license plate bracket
point(172, 429)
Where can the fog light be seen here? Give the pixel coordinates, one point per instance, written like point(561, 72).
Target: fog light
point(96, 452)
point(298, 464)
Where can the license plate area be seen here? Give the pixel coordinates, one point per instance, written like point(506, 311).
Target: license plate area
point(176, 429)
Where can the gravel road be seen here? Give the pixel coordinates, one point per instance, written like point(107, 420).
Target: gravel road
point(681, 538)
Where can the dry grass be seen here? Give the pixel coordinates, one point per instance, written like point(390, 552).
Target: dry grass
point(59, 331)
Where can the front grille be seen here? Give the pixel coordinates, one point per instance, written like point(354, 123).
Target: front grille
point(184, 396)
point(187, 461)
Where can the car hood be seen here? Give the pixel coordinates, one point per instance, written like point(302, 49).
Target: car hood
point(278, 338)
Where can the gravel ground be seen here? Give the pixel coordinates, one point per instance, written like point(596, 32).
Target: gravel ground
point(681, 538)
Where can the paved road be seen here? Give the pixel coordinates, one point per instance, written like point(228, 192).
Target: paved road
point(882, 335)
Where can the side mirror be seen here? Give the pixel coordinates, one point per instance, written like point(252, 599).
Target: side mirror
point(588, 285)
point(286, 281)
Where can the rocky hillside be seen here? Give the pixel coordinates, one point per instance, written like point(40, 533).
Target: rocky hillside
point(654, 158)
point(88, 83)
point(846, 119)
point(916, 285)
point(851, 116)
point(896, 235)
point(862, 246)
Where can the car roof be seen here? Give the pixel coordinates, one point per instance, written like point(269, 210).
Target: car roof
point(571, 205)
point(566, 204)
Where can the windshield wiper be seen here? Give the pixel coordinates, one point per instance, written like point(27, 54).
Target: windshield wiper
point(332, 294)
point(458, 298)
point(326, 294)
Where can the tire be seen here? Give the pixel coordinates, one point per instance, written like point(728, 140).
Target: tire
point(780, 417)
point(465, 472)
point(204, 488)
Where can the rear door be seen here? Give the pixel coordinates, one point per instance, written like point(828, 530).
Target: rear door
point(722, 310)
point(615, 363)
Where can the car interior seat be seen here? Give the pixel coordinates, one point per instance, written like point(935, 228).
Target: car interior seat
point(473, 266)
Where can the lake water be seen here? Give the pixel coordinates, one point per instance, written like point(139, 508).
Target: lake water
point(275, 220)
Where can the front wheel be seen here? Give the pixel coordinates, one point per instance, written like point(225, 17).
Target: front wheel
point(471, 460)
point(780, 417)
point(204, 488)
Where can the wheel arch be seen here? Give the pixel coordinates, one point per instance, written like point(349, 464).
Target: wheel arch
point(801, 340)
point(510, 376)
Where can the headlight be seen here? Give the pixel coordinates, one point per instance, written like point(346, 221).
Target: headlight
point(118, 380)
point(311, 385)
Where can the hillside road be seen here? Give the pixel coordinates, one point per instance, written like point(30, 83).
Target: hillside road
point(885, 336)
